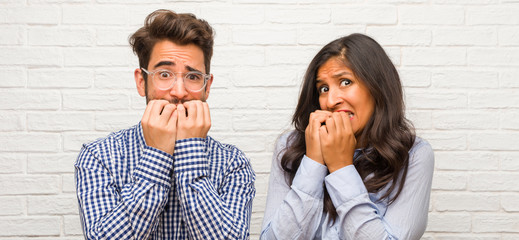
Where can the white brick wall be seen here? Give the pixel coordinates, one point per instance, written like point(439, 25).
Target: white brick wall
point(66, 77)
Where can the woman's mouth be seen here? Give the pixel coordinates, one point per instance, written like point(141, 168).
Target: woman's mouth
point(350, 114)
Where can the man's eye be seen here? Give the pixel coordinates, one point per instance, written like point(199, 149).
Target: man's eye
point(345, 82)
point(322, 89)
point(165, 75)
point(194, 76)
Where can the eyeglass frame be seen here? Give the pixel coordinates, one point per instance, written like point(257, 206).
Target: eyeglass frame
point(206, 77)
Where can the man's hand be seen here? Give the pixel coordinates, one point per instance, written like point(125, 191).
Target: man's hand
point(337, 141)
point(159, 125)
point(313, 142)
point(194, 120)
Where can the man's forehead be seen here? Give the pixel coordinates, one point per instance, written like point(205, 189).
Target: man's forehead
point(168, 53)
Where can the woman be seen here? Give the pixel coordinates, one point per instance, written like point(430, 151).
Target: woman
point(353, 167)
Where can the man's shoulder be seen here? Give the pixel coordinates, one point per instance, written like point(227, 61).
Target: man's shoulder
point(112, 139)
point(224, 150)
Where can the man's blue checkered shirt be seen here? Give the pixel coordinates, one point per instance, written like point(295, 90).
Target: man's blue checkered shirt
point(127, 190)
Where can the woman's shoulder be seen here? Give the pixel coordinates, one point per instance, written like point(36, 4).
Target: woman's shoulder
point(421, 152)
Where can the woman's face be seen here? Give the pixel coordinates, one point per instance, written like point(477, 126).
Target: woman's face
point(340, 90)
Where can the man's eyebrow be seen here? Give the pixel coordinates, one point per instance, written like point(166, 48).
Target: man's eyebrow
point(162, 63)
point(170, 63)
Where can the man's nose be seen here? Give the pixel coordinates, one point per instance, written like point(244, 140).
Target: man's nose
point(179, 90)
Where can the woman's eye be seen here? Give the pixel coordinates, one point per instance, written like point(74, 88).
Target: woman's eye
point(322, 89)
point(345, 82)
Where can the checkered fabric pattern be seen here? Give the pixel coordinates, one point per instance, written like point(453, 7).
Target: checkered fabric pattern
point(127, 190)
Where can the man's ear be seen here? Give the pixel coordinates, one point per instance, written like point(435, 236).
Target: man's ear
point(208, 86)
point(139, 82)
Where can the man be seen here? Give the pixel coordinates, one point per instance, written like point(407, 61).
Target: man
point(165, 178)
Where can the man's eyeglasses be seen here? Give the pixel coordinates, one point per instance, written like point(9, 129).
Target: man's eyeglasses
point(163, 79)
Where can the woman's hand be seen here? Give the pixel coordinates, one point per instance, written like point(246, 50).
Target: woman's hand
point(313, 144)
point(337, 141)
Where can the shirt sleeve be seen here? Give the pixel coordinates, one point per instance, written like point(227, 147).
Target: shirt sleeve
point(294, 212)
point(405, 218)
point(212, 213)
point(131, 211)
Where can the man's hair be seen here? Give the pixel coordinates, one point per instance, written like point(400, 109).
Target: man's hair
point(181, 29)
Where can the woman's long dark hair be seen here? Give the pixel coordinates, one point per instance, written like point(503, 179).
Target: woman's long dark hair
point(388, 135)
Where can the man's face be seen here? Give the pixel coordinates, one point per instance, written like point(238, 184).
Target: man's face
point(178, 59)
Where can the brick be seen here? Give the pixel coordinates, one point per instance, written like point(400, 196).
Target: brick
point(431, 15)
point(248, 142)
point(509, 236)
point(465, 120)
point(29, 99)
point(496, 223)
point(45, 36)
point(394, 55)
point(420, 119)
point(13, 77)
point(492, 15)
point(321, 34)
point(30, 142)
point(221, 120)
point(291, 14)
point(138, 103)
point(102, 57)
point(60, 78)
point(255, 228)
point(449, 222)
point(113, 36)
point(52, 205)
point(262, 182)
point(221, 76)
point(115, 79)
point(472, 202)
point(223, 34)
point(466, 2)
point(28, 184)
point(116, 121)
point(466, 161)
point(277, 56)
point(72, 225)
point(509, 79)
point(462, 36)
point(254, 121)
point(60, 121)
point(494, 99)
point(407, 36)
point(435, 100)
point(494, 182)
point(509, 161)
point(73, 141)
point(508, 36)
point(30, 226)
point(12, 35)
point(57, 1)
point(509, 120)
point(434, 56)
point(500, 56)
point(34, 14)
point(415, 77)
point(449, 181)
point(94, 101)
point(509, 202)
point(223, 98)
point(364, 15)
point(261, 162)
point(68, 183)
point(236, 15)
point(494, 141)
point(264, 36)
point(466, 78)
point(12, 163)
point(265, 77)
point(12, 121)
point(96, 15)
point(239, 56)
point(51, 163)
point(12, 206)
point(137, 13)
point(326, 1)
point(266, 1)
point(282, 98)
point(30, 56)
